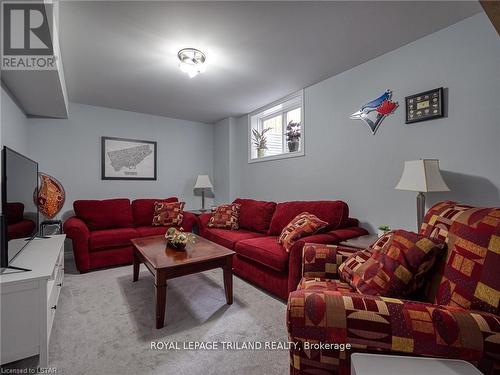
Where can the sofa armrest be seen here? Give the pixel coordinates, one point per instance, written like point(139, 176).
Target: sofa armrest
point(189, 221)
point(79, 233)
point(374, 323)
point(203, 220)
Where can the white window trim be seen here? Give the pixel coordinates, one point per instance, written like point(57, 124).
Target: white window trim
point(285, 155)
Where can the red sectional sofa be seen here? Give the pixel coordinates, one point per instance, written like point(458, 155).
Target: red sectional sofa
point(17, 225)
point(101, 230)
point(259, 258)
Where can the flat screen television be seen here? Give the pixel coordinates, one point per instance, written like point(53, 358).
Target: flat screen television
point(20, 213)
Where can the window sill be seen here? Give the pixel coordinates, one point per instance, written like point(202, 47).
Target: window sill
point(287, 155)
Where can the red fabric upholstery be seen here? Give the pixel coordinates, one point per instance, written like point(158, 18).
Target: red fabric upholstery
point(14, 212)
point(109, 238)
point(104, 214)
point(96, 248)
point(21, 229)
point(333, 212)
point(227, 237)
point(264, 250)
point(147, 231)
point(79, 233)
point(255, 215)
point(143, 210)
point(264, 277)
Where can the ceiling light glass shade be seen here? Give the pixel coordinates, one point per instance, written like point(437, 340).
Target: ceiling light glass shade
point(192, 61)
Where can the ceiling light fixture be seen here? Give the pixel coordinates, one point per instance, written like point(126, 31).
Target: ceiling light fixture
point(192, 61)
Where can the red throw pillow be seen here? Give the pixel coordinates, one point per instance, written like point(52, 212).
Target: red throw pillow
point(226, 216)
point(399, 267)
point(302, 225)
point(168, 214)
point(470, 279)
point(255, 215)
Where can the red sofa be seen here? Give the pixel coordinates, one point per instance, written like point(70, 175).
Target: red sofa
point(259, 258)
point(101, 230)
point(455, 317)
point(17, 225)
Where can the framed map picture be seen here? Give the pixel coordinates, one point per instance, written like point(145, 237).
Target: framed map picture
point(127, 159)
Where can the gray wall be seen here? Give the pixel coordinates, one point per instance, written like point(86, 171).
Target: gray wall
point(221, 180)
point(345, 161)
point(70, 151)
point(13, 126)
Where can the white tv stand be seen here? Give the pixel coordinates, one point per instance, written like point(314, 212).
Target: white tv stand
point(29, 300)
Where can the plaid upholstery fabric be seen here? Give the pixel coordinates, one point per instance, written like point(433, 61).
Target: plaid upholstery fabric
point(398, 268)
point(225, 216)
point(322, 261)
point(302, 225)
point(168, 213)
point(471, 277)
point(374, 324)
point(351, 264)
point(439, 218)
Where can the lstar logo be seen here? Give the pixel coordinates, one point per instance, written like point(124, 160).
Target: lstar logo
point(27, 31)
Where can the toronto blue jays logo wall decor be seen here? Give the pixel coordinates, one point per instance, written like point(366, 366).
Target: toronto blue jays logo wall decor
point(374, 112)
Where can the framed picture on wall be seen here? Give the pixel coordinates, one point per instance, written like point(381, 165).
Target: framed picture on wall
point(128, 159)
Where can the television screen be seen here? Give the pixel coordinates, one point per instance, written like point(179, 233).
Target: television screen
point(19, 182)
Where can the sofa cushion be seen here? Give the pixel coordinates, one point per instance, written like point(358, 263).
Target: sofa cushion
point(302, 225)
point(439, 218)
point(470, 278)
point(104, 214)
point(109, 238)
point(264, 250)
point(168, 214)
point(255, 215)
point(400, 267)
point(335, 213)
point(15, 211)
point(21, 229)
point(228, 238)
point(316, 283)
point(226, 216)
point(147, 231)
point(143, 210)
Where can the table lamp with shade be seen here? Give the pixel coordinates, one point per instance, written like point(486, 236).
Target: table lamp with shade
point(202, 183)
point(423, 176)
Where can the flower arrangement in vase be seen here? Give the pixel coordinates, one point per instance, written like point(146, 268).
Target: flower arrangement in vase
point(178, 239)
point(293, 136)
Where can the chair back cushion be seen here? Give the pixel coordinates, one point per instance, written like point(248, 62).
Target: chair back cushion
point(104, 214)
point(143, 210)
point(335, 213)
point(438, 220)
point(255, 215)
point(471, 278)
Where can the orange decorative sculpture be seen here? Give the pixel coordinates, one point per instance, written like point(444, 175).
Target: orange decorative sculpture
point(50, 196)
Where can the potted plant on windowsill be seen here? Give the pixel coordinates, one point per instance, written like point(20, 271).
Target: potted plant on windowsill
point(383, 229)
point(260, 141)
point(293, 136)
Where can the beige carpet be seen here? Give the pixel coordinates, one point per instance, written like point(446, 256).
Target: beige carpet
point(104, 324)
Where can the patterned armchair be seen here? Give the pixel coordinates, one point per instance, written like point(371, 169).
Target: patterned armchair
point(452, 319)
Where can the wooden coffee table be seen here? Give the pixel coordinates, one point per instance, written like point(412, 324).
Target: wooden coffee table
point(166, 263)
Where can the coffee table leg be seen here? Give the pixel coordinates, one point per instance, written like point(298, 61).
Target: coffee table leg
point(161, 299)
point(137, 263)
point(227, 270)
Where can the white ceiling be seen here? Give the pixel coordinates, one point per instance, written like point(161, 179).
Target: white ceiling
point(123, 54)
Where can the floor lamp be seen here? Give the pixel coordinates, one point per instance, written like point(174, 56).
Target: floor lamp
point(423, 176)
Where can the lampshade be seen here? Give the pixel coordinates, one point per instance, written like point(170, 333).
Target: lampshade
point(203, 182)
point(422, 175)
